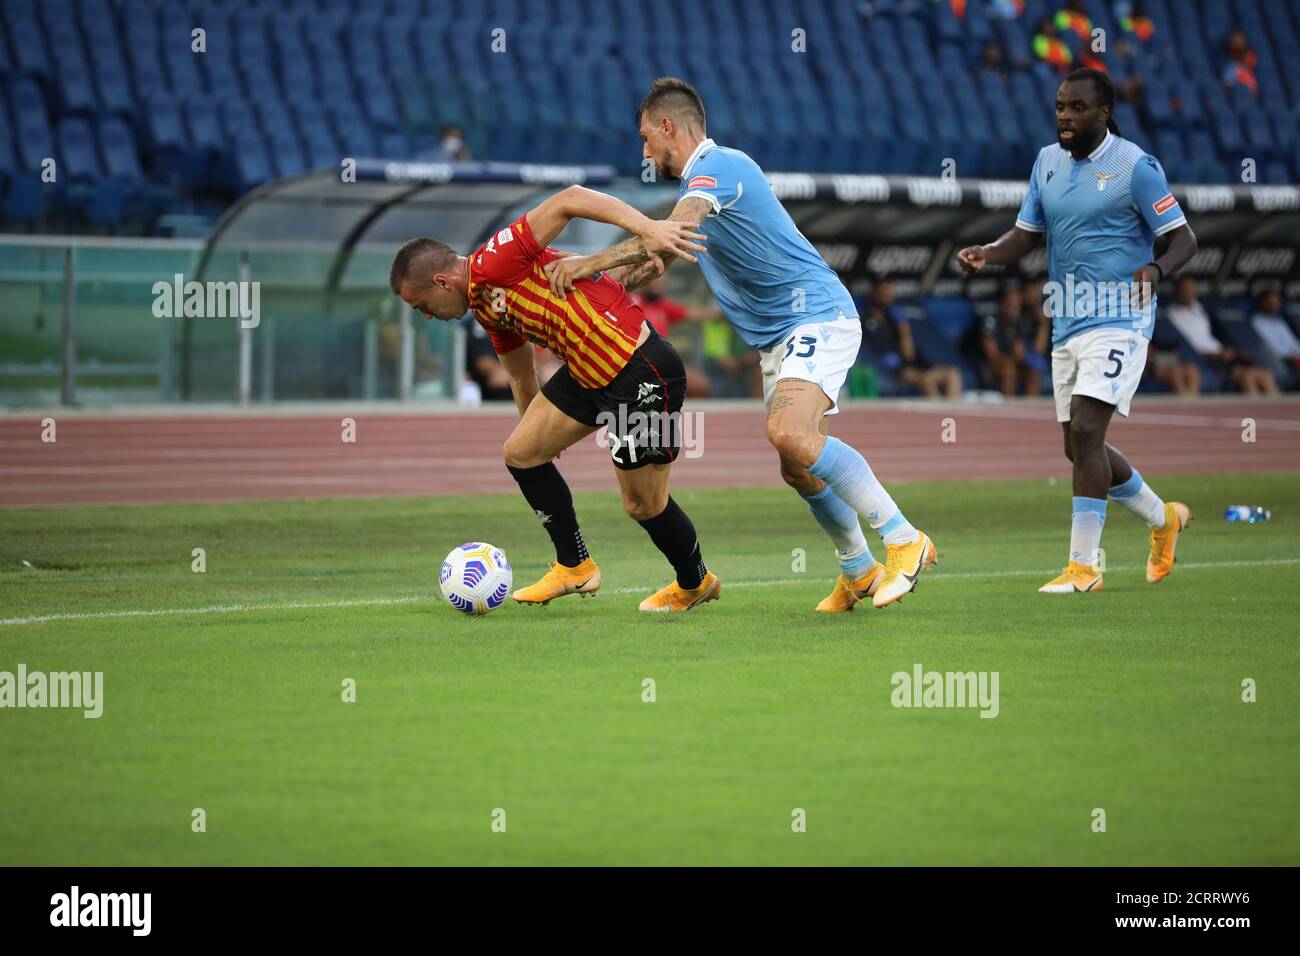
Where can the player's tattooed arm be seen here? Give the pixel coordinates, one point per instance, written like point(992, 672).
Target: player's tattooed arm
point(522, 369)
point(635, 276)
point(635, 260)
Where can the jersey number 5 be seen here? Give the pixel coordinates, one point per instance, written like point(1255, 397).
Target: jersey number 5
point(1114, 356)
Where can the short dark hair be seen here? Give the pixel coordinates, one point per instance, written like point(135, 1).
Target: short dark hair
point(432, 254)
point(675, 97)
point(1104, 88)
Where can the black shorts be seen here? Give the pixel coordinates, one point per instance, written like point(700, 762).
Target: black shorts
point(642, 406)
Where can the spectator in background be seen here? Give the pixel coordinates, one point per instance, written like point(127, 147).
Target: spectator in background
point(427, 366)
point(886, 327)
point(991, 59)
point(1007, 9)
point(663, 313)
point(1041, 338)
point(452, 148)
point(1191, 320)
point(1011, 344)
point(1241, 63)
point(483, 367)
point(1073, 18)
point(1050, 48)
point(732, 365)
point(1278, 337)
point(1133, 20)
point(1166, 363)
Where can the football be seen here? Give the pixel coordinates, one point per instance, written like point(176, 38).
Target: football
point(475, 578)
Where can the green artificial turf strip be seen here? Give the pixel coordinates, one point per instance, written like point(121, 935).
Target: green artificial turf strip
point(1128, 700)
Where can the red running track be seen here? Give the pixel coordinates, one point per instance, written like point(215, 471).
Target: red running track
point(196, 455)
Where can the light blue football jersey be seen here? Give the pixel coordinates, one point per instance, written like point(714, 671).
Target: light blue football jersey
point(1101, 216)
point(766, 276)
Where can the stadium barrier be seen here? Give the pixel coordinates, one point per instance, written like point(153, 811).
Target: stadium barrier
point(81, 322)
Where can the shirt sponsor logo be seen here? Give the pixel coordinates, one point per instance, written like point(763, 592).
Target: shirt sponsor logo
point(702, 182)
point(1163, 205)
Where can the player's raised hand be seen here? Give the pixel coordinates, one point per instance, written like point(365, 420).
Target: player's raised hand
point(972, 259)
point(671, 237)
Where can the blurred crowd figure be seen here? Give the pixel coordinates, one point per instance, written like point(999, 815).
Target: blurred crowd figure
point(886, 327)
point(1007, 351)
point(1016, 340)
point(1240, 68)
point(664, 313)
point(1279, 338)
point(1192, 322)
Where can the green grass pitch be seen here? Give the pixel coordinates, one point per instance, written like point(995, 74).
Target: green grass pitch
point(1129, 700)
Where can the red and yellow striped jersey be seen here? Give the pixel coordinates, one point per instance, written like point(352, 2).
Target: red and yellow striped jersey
point(593, 330)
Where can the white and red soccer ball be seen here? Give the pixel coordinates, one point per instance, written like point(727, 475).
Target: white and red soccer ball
point(475, 578)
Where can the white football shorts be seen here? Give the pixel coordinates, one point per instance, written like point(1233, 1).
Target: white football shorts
point(817, 352)
point(1105, 364)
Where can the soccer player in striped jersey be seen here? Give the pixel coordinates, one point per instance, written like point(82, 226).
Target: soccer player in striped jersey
point(1101, 201)
point(617, 371)
point(785, 301)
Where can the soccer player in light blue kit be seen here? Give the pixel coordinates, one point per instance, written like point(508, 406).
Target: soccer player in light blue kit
point(784, 300)
point(1102, 202)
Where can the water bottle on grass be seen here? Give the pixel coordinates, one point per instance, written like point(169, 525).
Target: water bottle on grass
point(1249, 514)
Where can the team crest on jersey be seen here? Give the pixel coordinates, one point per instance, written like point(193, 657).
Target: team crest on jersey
point(1164, 204)
point(1102, 179)
point(702, 182)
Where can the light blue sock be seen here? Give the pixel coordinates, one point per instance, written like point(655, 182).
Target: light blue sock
point(840, 522)
point(847, 474)
point(1087, 519)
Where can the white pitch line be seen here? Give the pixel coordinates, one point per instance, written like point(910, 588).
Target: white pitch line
point(412, 599)
point(215, 609)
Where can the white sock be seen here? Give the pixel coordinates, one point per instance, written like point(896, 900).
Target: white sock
point(1088, 519)
point(853, 481)
point(1136, 495)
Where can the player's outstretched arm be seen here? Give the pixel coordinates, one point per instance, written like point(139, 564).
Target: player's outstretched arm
point(522, 369)
point(1010, 247)
point(675, 238)
point(634, 263)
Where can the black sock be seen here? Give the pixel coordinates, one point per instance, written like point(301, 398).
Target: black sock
point(674, 535)
point(549, 497)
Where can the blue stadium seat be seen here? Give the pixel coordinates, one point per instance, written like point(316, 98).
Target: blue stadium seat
point(952, 317)
point(7, 68)
point(31, 121)
point(30, 57)
point(248, 164)
point(204, 124)
point(77, 150)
